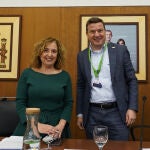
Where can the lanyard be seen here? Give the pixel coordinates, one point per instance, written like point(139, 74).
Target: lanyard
point(96, 72)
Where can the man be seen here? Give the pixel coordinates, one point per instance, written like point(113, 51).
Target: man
point(108, 36)
point(107, 88)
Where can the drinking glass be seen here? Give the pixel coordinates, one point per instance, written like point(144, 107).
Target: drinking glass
point(48, 146)
point(100, 136)
point(49, 139)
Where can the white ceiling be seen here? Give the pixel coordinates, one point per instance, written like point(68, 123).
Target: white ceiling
point(74, 3)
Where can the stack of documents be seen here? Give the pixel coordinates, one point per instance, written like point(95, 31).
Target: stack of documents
point(12, 143)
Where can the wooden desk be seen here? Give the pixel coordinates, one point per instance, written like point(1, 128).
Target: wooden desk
point(90, 145)
point(84, 144)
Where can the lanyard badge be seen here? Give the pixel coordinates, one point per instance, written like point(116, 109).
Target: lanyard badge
point(97, 71)
point(98, 85)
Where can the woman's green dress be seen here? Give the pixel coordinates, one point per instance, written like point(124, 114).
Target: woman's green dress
point(51, 93)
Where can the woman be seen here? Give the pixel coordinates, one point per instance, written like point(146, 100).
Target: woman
point(121, 42)
point(45, 85)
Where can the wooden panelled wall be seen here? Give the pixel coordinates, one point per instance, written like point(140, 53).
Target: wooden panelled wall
point(64, 24)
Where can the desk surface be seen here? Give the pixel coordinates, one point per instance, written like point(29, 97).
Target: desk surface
point(84, 144)
point(90, 145)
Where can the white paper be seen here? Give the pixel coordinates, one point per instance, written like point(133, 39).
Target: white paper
point(12, 142)
point(145, 148)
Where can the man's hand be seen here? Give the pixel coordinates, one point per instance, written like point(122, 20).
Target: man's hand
point(80, 122)
point(130, 117)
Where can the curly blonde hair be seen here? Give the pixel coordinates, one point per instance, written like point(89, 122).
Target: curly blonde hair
point(39, 48)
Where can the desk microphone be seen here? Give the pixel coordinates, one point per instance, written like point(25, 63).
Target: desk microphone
point(142, 122)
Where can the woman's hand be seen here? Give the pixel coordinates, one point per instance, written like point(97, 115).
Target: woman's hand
point(46, 129)
point(59, 128)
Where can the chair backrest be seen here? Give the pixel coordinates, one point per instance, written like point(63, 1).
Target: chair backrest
point(8, 117)
point(135, 131)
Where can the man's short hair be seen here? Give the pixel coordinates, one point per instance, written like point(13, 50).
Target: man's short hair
point(94, 20)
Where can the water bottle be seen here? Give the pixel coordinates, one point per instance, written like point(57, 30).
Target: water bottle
point(31, 139)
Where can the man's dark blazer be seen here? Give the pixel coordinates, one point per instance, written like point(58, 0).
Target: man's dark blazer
point(124, 81)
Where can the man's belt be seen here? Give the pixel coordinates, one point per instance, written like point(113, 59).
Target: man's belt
point(104, 105)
